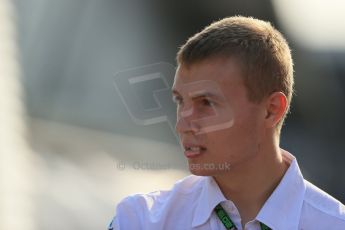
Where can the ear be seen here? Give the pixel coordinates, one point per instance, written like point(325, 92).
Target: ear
point(276, 105)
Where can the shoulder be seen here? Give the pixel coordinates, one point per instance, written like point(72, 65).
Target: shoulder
point(180, 190)
point(321, 209)
point(142, 209)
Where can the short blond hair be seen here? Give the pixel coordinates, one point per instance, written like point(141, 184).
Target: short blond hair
point(262, 51)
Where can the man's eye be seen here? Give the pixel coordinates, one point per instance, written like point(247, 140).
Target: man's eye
point(177, 100)
point(207, 102)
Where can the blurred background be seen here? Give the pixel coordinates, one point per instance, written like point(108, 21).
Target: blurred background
point(74, 141)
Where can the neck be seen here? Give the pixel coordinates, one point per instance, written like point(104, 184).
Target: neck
point(251, 184)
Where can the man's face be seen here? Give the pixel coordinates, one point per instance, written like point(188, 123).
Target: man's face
point(219, 128)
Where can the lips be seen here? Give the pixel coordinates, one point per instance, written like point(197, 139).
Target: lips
point(193, 150)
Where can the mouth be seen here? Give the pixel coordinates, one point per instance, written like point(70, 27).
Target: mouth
point(192, 151)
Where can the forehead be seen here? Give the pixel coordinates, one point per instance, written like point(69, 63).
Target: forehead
point(220, 72)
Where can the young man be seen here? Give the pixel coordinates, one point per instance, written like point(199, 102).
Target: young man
point(233, 87)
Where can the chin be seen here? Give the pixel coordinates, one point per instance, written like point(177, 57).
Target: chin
point(202, 172)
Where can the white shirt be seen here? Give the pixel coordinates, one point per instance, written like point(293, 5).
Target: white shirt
point(294, 204)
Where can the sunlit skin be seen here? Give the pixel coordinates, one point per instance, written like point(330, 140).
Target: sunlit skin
point(250, 145)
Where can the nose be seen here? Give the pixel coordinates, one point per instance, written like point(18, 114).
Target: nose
point(185, 122)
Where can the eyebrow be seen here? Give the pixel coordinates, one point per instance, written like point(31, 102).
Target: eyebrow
point(197, 94)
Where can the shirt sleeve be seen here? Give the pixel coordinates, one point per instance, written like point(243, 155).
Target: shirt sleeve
point(126, 216)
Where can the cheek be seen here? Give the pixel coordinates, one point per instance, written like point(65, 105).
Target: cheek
point(249, 119)
point(241, 137)
point(234, 145)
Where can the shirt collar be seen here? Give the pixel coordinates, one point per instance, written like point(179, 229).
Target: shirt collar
point(210, 196)
point(282, 209)
point(285, 203)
